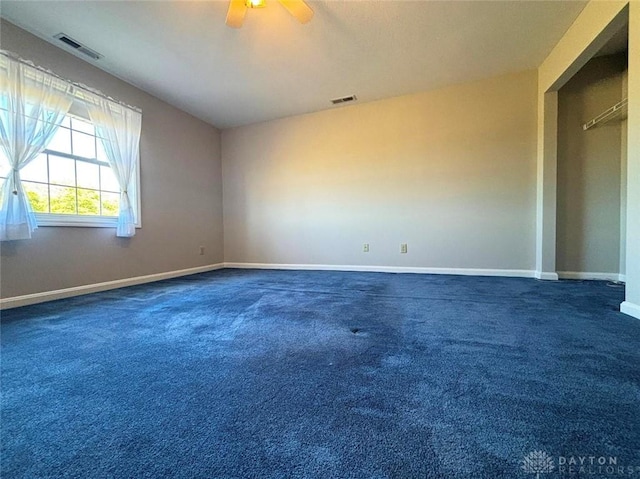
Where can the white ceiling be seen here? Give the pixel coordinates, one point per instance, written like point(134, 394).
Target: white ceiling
point(273, 67)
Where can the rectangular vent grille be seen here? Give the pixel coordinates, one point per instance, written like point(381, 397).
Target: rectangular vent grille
point(344, 99)
point(70, 42)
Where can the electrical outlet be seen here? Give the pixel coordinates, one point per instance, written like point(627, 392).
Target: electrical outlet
point(365, 248)
point(201, 250)
point(403, 248)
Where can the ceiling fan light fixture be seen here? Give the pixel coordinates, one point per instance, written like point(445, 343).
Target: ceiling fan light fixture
point(256, 3)
point(238, 8)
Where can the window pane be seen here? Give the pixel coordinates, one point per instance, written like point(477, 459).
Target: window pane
point(63, 200)
point(66, 122)
point(84, 145)
point(88, 202)
point(38, 196)
point(88, 175)
point(108, 179)
point(82, 126)
point(62, 171)
point(110, 204)
point(36, 170)
point(100, 154)
point(61, 141)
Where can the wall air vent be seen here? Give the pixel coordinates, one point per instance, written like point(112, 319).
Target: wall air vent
point(71, 43)
point(344, 99)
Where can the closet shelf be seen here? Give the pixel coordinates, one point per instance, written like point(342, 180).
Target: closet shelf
point(616, 110)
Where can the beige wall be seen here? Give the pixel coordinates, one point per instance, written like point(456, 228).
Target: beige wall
point(623, 178)
point(589, 170)
point(450, 172)
point(181, 195)
point(632, 291)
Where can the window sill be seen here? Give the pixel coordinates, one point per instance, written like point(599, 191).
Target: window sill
point(77, 221)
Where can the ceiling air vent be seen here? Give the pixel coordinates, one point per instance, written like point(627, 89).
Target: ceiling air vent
point(344, 99)
point(70, 42)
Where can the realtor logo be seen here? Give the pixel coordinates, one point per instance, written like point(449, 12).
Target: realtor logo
point(537, 462)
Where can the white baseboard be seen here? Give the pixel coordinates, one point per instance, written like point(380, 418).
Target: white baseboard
point(595, 276)
point(35, 298)
point(546, 276)
point(518, 273)
point(631, 309)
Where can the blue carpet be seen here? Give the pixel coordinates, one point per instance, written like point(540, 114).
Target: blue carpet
point(285, 374)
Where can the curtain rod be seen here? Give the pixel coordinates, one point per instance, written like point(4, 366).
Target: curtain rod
point(81, 86)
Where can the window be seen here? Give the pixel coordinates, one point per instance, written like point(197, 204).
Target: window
point(71, 182)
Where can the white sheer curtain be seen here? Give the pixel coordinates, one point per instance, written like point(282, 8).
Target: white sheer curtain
point(32, 106)
point(119, 128)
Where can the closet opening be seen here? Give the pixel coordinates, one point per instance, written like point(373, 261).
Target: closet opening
point(592, 167)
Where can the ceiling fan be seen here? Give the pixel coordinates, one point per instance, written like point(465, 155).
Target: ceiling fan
point(237, 9)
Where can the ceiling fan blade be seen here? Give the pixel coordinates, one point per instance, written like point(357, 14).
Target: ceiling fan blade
point(235, 14)
point(299, 9)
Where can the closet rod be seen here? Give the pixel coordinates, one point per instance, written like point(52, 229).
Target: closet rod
point(606, 115)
